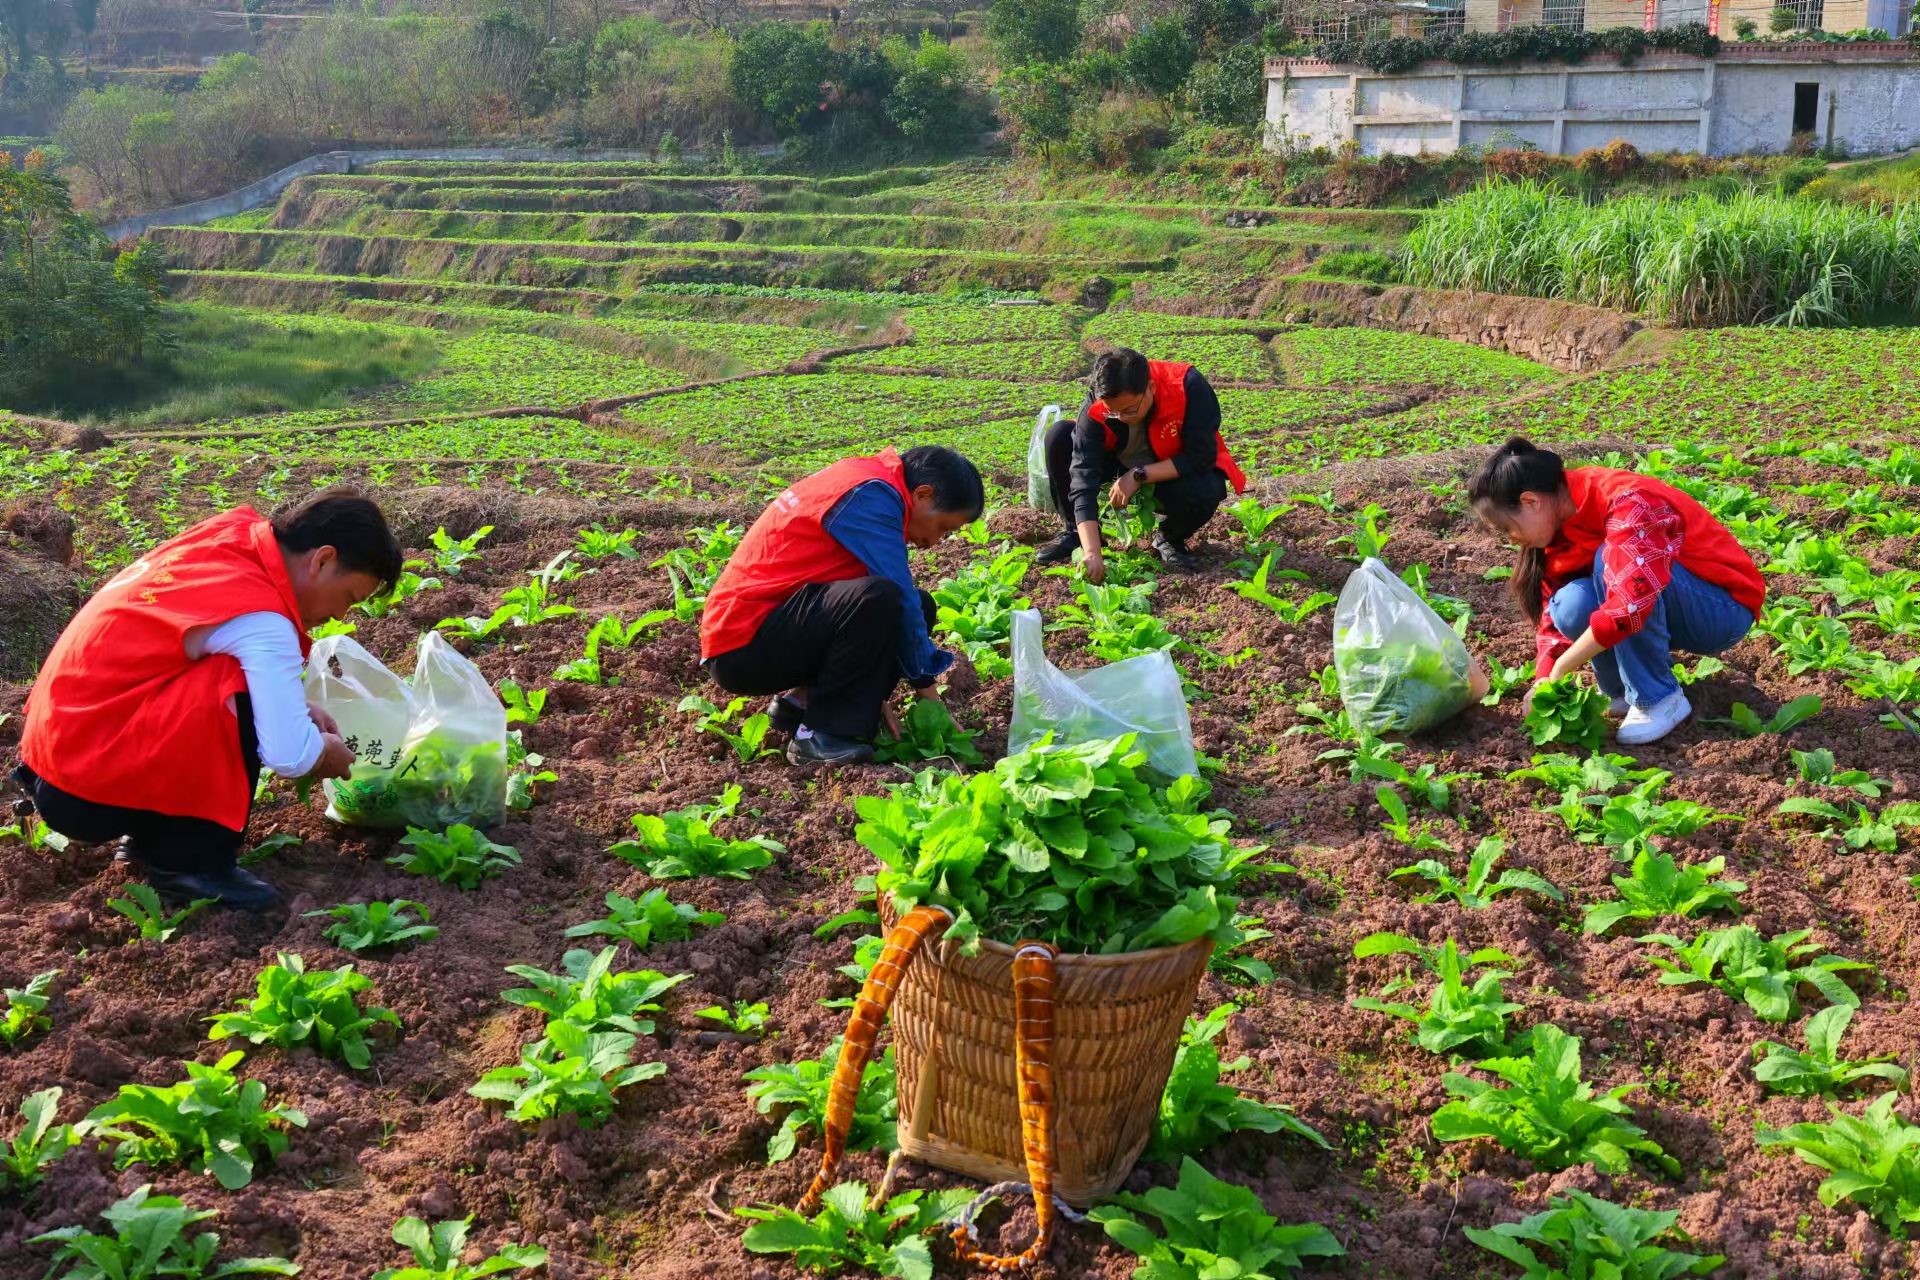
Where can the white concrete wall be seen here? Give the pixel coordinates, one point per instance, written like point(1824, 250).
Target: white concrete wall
point(1725, 106)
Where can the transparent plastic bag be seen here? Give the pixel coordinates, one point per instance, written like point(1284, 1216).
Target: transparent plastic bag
point(1139, 695)
point(1039, 486)
point(1401, 668)
point(447, 760)
point(374, 708)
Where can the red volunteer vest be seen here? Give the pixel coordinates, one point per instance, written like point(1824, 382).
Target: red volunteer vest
point(120, 715)
point(1706, 549)
point(788, 548)
point(1169, 383)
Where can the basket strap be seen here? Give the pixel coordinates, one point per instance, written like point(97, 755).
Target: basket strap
point(869, 1012)
point(1033, 1002)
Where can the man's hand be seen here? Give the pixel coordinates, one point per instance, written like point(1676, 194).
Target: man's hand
point(336, 758)
point(323, 721)
point(1095, 569)
point(890, 721)
point(1123, 490)
point(934, 691)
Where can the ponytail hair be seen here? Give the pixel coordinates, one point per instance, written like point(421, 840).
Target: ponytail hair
point(1516, 467)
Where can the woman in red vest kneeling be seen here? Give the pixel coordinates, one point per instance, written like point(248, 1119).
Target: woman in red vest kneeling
point(152, 716)
point(818, 604)
point(1146, 422)
point(1619, 570)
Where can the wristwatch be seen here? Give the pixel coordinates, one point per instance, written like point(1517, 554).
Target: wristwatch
point(1139, 475)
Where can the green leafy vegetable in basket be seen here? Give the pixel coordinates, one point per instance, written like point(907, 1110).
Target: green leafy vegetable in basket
point(1073, 845)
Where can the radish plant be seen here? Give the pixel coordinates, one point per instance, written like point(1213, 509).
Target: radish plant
point(365, 926)
point(749, 740)
point(1859, 829)
point(152, 920)
point(1872, 1159)
point(451, 554)
point(523, 705)
point(1818, 768)
point(929, 733)
point(1582, 1235)
point(211, 1122)
point(1569, 712)
point(1479, 888)
point(1764, 972)
point(459, 856)
point(682, 843)
point(26, 1008)
point(589, 994)
point(1196, 1110)
point(1288, 611)
point(742, 1019)
point(1821, 1069)
point(1750, 725)
point(293, 1006)
point(1459, 1018)
point(568, 1071)
point(37, 1145)
point(1657, 886)
point(438, 1253)
point(645, 920)
point(886, 1239)
point(149, 1238)
point(801, 1092)
point(1398, 825)
point(1210, 1228)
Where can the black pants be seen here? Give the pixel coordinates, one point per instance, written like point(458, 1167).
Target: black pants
point(1187, 502)
point(160, 840)
point(840, 641)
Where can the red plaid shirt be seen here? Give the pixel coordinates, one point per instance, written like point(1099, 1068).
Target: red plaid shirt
point(1643, 537)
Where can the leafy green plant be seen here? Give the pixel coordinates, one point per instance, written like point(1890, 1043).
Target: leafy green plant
point(404, 588)
point(974, 609)
point(1235, 968)
point(645, 920)
point(1872, 1159)
point(142, 906)
point(1547, 1113)
point(1630, 823)
point(1288, 611)
point(1425, 784)
point(523, 705)
point(1706, 666)
point(26, 1008)
point(459, 856)
point(1750, 725)
point(1069, 844)
point(1567, 711)
point(888, 1240)
point(149, 1240)
point(1399, 827)
point(1368, 538)
point(1860, 829)
point(35, 834)
point(866, 954)
point(929, 733)
point(1211, 1228)
point(804, 1087)
point(692, 571)
point(1256, 517)
point(210, 1122)
point(1583, 1235)
point(438, 1252)
point(293, 1006)
point(749, 740)
point(451, 554)
point(1196, 1110)
point(1818, 768)
point(523, 771)
point(1598, 772)
point(682, 843)
point(1117, 618)
point(1458, 1017)
point(1479, 888)
point(591, 995)
point(1657, 886)
point(271, 845)
point(37, 1145)
point(1764, 972)
point(365, 926)
point(1503, 680)
point(743, 1019)
point(568, 1071)
point(597, 543)
point(1820, 1069)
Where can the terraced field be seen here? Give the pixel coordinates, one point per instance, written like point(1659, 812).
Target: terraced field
point(625, 363)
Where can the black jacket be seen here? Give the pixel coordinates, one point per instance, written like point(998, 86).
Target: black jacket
point(1094, 463)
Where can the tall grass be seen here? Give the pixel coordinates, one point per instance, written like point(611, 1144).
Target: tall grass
point(1692, 261)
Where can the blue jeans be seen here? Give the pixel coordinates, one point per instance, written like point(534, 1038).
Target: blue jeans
point(1691, 614)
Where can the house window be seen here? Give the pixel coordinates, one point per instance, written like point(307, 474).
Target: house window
point(1807, 14)
point(1444, 21)
point(1568, 14)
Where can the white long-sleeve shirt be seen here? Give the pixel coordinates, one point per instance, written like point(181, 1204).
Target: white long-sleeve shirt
point(268, 651)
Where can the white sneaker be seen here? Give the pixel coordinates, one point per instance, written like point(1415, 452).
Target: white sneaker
point(1617, 707)
point(1650, 724)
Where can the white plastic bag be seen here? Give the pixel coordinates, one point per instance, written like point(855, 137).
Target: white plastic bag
point(1039, 486)
point(374, 708)
point(1401, 668)
point(431, 753)
point(1140, 695)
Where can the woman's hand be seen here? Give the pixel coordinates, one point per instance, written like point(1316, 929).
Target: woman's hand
point(336, 759)
point(323, 721)
point(1526, 703)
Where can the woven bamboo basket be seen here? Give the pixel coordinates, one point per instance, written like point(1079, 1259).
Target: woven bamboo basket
point(1117, 1024)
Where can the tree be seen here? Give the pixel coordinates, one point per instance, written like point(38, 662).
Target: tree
point(928, 103)
point(1232, 90)
point(1159, 57)
point(1025, 31)
point(779, 69)
point(30, 30)
point(1039, 99)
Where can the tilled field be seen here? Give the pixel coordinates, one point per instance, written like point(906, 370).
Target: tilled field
point(650, 1193)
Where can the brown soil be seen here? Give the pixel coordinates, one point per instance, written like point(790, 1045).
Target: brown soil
point(648, 1194)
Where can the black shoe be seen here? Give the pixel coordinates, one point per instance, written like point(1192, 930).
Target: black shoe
point(824, 748)
point(1174, 555)
point(1057, 550)
point(785, 713)
point(235, 887)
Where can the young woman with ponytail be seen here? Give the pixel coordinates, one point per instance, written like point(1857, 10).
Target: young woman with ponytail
point(1619, 570)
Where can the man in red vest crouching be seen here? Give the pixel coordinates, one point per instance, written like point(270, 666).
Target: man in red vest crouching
point(818, 604)
point(153, 714)
point(1146, 422)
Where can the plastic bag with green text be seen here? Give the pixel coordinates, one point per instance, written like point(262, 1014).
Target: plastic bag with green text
point(1401, 668)
point(430, 752)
